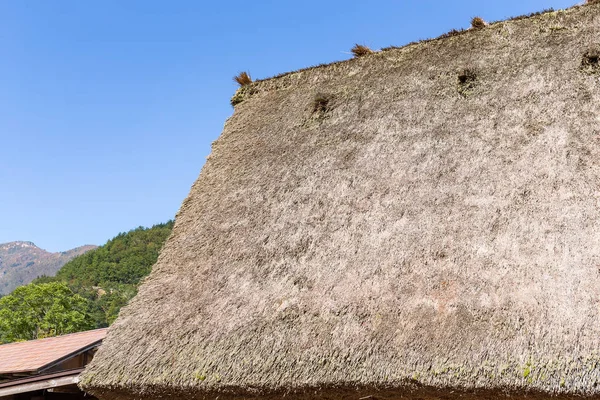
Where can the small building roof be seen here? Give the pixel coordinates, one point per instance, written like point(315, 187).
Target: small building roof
point(40, 382)
point(34, 355)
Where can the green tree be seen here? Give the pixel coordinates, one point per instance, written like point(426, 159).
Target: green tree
point(87, 292)
point(44, 279)
point(109, 275)
point(41, 310)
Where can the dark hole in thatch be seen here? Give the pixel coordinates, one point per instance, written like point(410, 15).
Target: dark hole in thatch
point(466, 76)
point(467, 80)
point(591, 61)
point(321, 103)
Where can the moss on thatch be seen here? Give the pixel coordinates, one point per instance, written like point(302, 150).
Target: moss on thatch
point(243, 93)
point(415, 243)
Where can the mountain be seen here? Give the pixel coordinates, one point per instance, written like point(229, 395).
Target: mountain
point(22, 262)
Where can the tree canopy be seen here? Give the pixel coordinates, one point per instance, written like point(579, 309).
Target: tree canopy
point(125, 259)
point(40, 310)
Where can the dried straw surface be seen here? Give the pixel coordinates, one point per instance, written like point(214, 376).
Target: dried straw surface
point(420, 236)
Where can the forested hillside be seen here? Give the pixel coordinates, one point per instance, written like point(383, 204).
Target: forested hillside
point(87, 292)
point(125, 259)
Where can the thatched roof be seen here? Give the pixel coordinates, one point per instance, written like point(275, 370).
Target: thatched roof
point(419, 222)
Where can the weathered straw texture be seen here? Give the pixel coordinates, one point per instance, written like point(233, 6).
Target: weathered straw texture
point(419, 236)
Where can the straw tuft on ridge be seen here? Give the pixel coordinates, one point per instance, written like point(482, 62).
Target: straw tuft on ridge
point(243, 79)
point(478, 23)
point(359, 50)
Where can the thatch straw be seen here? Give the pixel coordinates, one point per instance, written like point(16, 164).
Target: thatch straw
point(359, 50)
point(478, 23)
point(414, 243)
point(243, 79)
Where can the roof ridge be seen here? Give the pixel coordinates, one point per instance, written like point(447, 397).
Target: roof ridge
point(449, 34)
point(53, 337)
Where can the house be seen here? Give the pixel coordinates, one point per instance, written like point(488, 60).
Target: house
point(47, 368)
point(420, 222)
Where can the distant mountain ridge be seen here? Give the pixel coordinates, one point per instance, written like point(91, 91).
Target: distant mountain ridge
point(21, 262)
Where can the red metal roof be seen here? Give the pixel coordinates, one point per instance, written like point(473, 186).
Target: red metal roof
point(33, 355)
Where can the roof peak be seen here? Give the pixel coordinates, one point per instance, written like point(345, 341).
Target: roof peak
point(449, 34)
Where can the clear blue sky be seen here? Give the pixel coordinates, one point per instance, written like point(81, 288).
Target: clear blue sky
point(108, 108)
